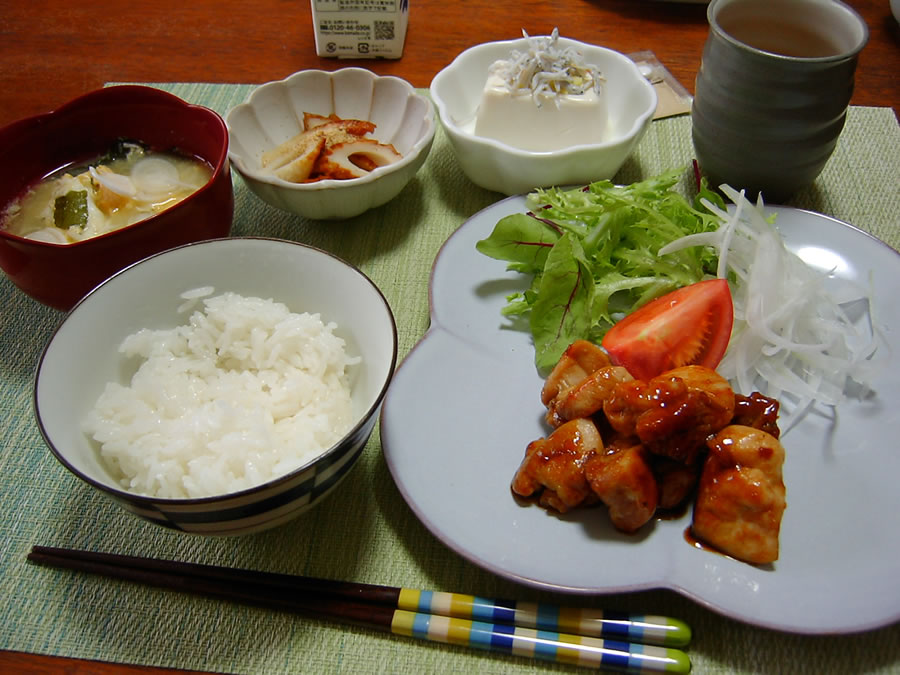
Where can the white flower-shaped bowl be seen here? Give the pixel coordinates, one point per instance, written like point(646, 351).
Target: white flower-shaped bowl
point(273, 113)
point(456, 91)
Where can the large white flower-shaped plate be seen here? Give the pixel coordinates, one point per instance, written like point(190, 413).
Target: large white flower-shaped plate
point(466, 401)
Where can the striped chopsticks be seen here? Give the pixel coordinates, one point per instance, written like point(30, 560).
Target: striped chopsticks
point(575, 636)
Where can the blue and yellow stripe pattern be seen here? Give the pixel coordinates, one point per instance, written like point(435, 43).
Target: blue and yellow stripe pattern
point(651, 630)
point(541, 644)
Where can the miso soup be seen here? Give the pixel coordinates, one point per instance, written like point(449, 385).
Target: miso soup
point(127, 185)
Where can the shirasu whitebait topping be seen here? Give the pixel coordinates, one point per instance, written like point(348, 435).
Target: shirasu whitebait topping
point(547, 70)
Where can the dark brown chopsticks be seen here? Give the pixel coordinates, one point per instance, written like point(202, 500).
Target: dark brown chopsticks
point(568, 635)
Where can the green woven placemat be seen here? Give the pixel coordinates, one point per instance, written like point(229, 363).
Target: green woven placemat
point(365, 532)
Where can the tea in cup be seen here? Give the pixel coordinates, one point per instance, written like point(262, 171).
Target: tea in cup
point(772, 92)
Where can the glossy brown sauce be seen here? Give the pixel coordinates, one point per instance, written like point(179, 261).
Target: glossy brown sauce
point(697, 543)
point(757, 411)
point(703, 546)
point(675, 512)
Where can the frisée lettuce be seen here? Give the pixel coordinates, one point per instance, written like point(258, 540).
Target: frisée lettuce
point(593, 254)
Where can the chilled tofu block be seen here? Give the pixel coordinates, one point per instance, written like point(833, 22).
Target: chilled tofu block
point(541, 122)
point(543, 98)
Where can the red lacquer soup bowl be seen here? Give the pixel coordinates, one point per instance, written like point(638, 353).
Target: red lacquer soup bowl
point(59, 275)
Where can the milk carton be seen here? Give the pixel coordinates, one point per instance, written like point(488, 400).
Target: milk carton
point(360, 29)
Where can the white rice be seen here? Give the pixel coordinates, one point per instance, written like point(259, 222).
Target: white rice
point(245, 392)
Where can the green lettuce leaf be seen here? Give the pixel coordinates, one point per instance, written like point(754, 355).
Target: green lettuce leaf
point(522, 240)
point(562, 306)
point(593, 255)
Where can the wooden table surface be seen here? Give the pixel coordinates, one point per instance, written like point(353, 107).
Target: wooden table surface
point(51, 52)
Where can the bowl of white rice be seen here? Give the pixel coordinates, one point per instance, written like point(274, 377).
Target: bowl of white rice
point(222, 387)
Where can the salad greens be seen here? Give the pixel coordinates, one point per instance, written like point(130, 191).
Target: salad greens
point(593, 254)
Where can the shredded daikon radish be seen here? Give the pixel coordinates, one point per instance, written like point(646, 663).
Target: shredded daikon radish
point(791, 339)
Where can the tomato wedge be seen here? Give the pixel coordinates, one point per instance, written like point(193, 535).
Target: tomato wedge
point(689, 326)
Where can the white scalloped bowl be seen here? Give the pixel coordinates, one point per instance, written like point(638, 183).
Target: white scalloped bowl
point(274, 111)
point(456, 91)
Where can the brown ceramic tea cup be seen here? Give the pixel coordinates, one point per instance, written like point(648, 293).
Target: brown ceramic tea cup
point(773, 90)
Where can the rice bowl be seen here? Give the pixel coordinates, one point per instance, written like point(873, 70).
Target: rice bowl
point(82, 357)
point(244, 392)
